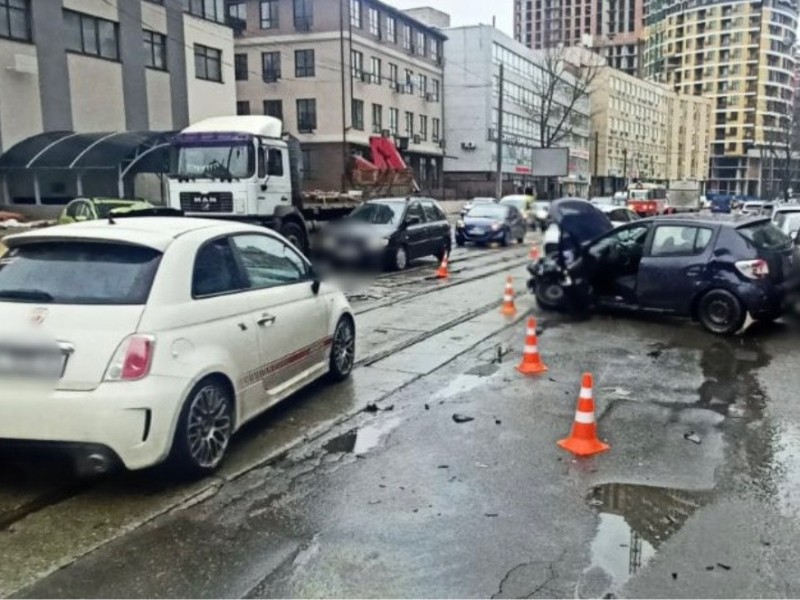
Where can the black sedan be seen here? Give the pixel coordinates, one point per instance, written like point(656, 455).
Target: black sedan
point(389, 233)
point(487, 223)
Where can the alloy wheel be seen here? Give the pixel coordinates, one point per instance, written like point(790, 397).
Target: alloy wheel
point(209, 426)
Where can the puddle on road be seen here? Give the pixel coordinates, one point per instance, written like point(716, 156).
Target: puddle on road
point(363, 439)
point(634, 520)
point(466, 382)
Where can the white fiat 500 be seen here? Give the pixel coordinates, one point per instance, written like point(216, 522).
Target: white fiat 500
point(154, 338)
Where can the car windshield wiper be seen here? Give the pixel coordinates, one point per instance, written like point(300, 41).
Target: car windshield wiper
point(32, 295)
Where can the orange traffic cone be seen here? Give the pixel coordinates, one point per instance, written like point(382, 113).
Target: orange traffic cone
point(508, 309)
point(583, 439)
point(442, 272)
point(531, 361)
point(534, 253)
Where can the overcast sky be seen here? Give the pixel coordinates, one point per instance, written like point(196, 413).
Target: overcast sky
point(469, 12)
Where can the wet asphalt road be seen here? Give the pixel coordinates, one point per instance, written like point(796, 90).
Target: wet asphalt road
point(698, 496)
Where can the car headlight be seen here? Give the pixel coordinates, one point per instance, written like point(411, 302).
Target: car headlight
point(496, 226)
point(378, 243)
point(460, 224)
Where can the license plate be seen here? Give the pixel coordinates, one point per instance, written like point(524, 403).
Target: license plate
point(33, 362)
point(477, 231)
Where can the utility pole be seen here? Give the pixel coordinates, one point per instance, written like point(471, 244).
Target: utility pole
point(596, 156)
point(499, 172)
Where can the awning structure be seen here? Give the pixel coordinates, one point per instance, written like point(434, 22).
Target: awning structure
point(77, 155)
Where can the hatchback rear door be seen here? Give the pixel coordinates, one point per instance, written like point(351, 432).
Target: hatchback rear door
point(674, 267)
point(772, 246)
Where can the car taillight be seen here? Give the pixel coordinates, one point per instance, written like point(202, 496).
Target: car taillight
point(132, 359)
point(753, 269)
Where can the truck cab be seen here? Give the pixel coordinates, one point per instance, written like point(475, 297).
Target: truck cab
point(239, 168)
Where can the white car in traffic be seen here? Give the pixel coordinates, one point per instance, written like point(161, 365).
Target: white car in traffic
point(151, 338)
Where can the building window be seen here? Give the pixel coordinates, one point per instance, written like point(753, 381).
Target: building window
point(357, 62)
point(394, 120)
point(92, 36)
point(271, 66)
point(210, 10)
point(422, 48)
point(207, 63)
point(355, 13)
point(358, 114)
point(306, 115)
point(155, 50)
point(437, 90)
point(393, 74)
point(423, 127)
point(391, 29)
point(406, 37)
point(377, 68)
point(409, 123)
point(377, 118)
point(436, 126)
point(240, 68)
point(269, 14)
point(303, 14)
point(236, 10)
point(409, 81)
point(374, 22)
point(274, 108)
point(423, 85)
point(242, 107)
point(15, 20)
point(304, 63)
point(435, 52)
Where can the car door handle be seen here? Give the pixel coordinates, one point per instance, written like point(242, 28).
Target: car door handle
point(266, 320)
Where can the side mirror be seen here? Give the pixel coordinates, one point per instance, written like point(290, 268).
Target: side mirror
point(264, 187)
point(315, 285)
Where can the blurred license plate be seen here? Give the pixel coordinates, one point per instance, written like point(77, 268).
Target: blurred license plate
point(477, 231)
point(32, 362)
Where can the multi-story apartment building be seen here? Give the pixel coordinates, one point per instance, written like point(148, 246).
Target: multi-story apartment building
point(337, 72)
point(474, 55)
point(111, 66)
point(740, 54)
point(643, 130)
point(613, 28)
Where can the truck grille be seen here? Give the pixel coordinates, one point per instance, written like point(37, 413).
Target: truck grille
point(212, 202)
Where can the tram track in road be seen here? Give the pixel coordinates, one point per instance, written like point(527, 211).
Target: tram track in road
point(59, 494)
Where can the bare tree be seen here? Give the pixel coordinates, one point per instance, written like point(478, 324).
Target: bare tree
point(561, 88)
point(783, 144)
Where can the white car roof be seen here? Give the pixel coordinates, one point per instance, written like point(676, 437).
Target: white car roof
point(154, 232)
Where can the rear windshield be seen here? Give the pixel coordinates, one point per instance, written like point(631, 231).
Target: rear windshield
point(78, 273)
point(488, 211)
point(765, 236)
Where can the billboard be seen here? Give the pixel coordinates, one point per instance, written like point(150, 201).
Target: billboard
point(550, 162)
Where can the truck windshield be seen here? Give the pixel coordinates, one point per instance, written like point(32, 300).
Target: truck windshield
point(217, 161)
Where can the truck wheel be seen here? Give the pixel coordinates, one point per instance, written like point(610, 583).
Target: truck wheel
point(295, 234)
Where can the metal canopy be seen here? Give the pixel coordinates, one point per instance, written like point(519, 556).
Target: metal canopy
point(117, 151)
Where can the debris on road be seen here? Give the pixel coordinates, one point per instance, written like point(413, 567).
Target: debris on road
point(491, 514)
point(371, 408)
point(692, 437)
point(443, 467)
point(724, 566)
point(459, 418)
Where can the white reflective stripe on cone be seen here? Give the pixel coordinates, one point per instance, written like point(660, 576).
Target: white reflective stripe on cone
point(530, 332)
point(584, 418)
point(586, 393)
point(531, 349)
point(508, 298)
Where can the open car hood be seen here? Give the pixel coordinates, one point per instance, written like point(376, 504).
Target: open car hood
point(580, 219)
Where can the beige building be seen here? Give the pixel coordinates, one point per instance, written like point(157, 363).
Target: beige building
point(76, 74)
point(612, 28)
point(645, 131)
point(338, 73)
point(740, 54)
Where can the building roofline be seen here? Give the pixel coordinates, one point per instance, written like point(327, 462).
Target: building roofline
point(396, 12)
